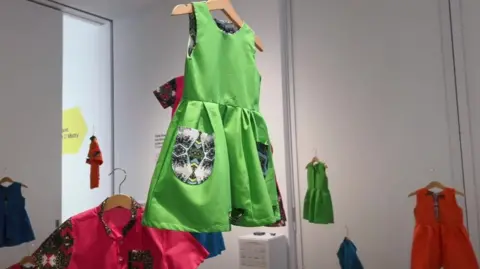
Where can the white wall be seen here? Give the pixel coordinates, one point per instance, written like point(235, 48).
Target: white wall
point(467, 43)
point(150, 49)
point(372, 98)
point(30, 109)
point(86, 87)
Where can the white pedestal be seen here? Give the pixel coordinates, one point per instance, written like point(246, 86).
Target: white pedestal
point(263, 251)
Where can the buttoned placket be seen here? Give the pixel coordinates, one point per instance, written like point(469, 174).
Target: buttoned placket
point(117, 237)
point(119, 243)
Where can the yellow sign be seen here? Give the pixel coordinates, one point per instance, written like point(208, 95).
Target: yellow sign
point(74, 130)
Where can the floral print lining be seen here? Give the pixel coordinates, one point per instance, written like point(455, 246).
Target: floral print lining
point(263, 156)
point(236, 215)
point(283, 217)
point(224, 25)
point(140, 259)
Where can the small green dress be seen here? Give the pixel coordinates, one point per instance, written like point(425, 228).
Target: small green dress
point(215, 168)
point(317, 207)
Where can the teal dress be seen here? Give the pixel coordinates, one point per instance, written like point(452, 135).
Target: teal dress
point(347, 255)
point(15, 227)
point(317, 207)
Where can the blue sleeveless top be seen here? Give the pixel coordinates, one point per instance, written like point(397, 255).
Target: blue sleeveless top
point(15, 227)
point(347, 255)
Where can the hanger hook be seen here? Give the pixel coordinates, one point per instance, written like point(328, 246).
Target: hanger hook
point(315, 152)
point(346, 231)
point(5, 171)
point(124, 178)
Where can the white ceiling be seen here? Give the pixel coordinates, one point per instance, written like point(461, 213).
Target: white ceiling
point(110, 9)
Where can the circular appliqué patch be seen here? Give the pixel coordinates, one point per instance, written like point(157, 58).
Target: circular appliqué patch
point(193, 155)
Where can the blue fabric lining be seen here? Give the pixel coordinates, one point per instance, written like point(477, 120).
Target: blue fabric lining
point(212, 242)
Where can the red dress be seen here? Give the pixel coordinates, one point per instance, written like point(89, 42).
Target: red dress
point(440, 239)
point(116, 239)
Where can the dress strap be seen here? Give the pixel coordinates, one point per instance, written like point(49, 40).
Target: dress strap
point(450, 193)
point(421, 195)
point(202, 18)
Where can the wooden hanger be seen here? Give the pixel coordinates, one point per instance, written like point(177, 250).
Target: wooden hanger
point(119, 200)
point(315, 160)
point(436, 184)
point(27, 260)
point(10, 180)
point(226, 7)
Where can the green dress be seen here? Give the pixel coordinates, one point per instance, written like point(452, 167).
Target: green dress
point(215, 168)
point(317, 207)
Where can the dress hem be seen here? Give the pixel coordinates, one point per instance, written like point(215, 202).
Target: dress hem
point(182, 228)
point(212, 229)
point(250, 222)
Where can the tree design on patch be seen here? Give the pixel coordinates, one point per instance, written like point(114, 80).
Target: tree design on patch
point(193, 156)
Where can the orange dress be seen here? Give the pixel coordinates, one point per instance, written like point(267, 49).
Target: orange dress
point(95, 159)
point(440, 239)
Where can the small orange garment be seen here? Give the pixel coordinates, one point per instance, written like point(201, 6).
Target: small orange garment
point(440, 239)
point(95, 159)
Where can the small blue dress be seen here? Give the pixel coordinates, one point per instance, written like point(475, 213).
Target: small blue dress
point(347, 255)
point(15, 227)
point(212, 242)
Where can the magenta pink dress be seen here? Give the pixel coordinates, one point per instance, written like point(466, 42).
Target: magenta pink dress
point(116, 239)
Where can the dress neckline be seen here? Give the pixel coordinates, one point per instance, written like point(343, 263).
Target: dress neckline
point(133, 218)
point(214, 21)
